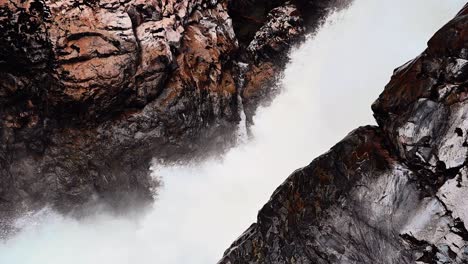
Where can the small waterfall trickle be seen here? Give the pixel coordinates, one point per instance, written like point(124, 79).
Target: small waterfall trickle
point(242, 130)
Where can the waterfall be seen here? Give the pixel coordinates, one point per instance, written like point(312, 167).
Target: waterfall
point(242, 133)
point(327, 90)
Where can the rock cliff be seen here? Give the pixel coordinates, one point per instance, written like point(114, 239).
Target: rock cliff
point(392, 193)
point(92, 90)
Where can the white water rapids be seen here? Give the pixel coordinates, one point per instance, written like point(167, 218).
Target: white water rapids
point(327, 91)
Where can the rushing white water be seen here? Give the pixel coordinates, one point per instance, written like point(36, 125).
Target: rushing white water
point(328, 88)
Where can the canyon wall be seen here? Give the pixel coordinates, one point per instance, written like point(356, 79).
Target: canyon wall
point(92, 90)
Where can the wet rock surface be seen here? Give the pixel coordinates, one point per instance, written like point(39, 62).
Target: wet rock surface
point(396, 193)
point(92, 90)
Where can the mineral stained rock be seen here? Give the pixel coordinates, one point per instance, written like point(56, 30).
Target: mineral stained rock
point(396, 193)
point(92, 90)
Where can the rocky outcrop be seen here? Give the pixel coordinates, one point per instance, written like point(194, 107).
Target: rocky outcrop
point(266, 31)
point(267, 52)
point(92, 90)
point(395, 193)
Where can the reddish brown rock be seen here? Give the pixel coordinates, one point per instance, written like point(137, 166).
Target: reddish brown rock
point(92, 90)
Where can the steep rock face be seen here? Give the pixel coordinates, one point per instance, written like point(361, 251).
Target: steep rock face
point(80, 119)
point(92, 90)
point(284, 26)
point(389, 194)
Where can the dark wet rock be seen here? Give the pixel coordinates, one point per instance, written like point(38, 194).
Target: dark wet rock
point(91, 91)
point(265, 37)
point(423, 108)
point(395, 193)
point(267, 52)
point(250, 15)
